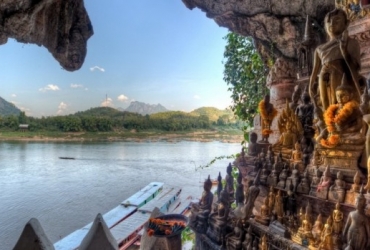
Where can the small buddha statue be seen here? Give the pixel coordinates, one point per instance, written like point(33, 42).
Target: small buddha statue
point(357, 226)
point(316, 158)
point(265, 174)
point(272, 179)
point(294, 178)
point(218, 219)
point(326, 238)
point(241, 161)
point(248, 239)
point(323, 186)
point(234, 239)
point(200, 211)
point(291, 202)
point(257, 165)
point(279, 162)
point(337, 219)
point(305, 113)
point(301, 216)
point(297, 153)
point(229, 182)
point(365, 106)
point(317, 228)
point(315, 181)
point(270, 156)
point(337, 191)
point(271, 197)
point(264, 216)
point(286, 140)
point(355, 189)
point(239, 194)
point(253, 148)
point(263, 244)
point(304, 186)
point(305, 231)
point(251, 197)
point(279, 206)
point(282, 178)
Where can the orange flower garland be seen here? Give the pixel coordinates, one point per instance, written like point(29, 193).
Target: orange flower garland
point(266, 116)
point(332, 117)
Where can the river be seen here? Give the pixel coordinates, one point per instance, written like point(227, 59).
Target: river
point(65, 195)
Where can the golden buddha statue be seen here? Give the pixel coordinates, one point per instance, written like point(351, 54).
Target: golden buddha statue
point(271, 197)
point(326, 239)
point(339, 55)
point(263, 244)
point(342, 120)
point(337, 219)
point(305, 231)
point(279, 206)
point(317, 228)
point(264, 217)
point(297, 153)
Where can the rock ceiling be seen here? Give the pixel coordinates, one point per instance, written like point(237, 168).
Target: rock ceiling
point(277, 26)
point(61, 26)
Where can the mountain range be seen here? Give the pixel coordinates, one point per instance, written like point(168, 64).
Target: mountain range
point(7, 108)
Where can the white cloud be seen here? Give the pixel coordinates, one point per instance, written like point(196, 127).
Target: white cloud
point(62, 108)
point(97, 68)
point(122, 98)
point(107, 103)
point(48, 87)
point(196, 97)
point(75, 86)
point(14, 95)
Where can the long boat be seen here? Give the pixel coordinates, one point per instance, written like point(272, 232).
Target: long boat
point(114, 217)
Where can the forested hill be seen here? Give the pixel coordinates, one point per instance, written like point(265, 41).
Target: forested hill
point(7, 108)
point(110, 119)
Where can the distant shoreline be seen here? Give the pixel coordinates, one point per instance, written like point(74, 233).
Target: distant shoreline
point(131, 136)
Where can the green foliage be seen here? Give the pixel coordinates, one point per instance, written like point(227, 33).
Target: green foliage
point(245, 73)
point(222, 157)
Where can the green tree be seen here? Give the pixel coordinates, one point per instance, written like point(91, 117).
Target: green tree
point(245, 73)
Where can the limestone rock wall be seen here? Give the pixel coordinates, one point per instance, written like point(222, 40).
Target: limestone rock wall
point(62, 26)
point(276, 25)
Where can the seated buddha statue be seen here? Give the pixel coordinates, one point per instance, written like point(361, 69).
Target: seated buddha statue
point(253, 148)
point(337, 191)
point(343, 120)
point(293, 178)
point(355, 189)
point(304, 186)
point(270, 157)
point(272, 179)
point(315, 181)
point(200, 211)
point(282, 178)
point(264, 175)
point(279, 206)
point(271, 197)
point(297, 153)
point(241, 160)
point(323, 186)
point(234, 239)
point(217, 220)
point(286, 140)
point(317, 228)
point(264, 216)
point(229, 182)
point(248, 239)
point(326, 238)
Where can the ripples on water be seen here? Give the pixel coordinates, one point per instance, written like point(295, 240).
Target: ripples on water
point(65, 195)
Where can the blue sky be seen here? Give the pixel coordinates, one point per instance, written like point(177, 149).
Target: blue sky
point(148, 51)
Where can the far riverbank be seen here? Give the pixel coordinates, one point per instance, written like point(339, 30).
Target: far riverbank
point(224, 135)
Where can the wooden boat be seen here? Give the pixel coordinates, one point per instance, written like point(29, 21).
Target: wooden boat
point(67, 158)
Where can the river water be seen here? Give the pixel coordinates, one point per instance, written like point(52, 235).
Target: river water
point(65, 195)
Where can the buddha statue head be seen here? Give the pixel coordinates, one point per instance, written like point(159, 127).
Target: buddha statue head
point(297, 146)
point(219, 178)
point(305, 97)
point(253, 137)
point(207, 184)
point(344, 92)
point(229, 169)
point(339, 175)
point(327, 173)
point(335, 23)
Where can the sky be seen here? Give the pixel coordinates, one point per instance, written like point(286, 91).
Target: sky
point(142, 50)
